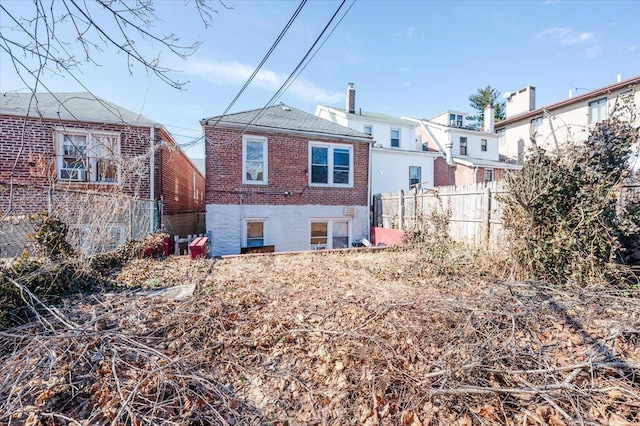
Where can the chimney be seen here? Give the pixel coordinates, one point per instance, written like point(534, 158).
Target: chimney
point(351, 99)
point(570, 93)
point(619, 78)
point(489, 119)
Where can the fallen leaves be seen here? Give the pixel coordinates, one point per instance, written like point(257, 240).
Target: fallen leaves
point(328, 338)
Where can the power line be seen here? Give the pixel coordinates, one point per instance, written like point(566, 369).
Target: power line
point(266, 56)
point(291, 77)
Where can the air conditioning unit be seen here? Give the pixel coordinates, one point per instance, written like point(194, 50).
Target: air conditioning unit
point(318, 246)
point(76, 175)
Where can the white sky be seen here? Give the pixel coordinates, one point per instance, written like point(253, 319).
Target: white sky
point(414, 58)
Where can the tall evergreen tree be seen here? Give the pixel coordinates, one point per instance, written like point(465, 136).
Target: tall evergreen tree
point(486, 96)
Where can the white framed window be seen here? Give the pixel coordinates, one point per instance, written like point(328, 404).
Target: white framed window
point(395, 138)
point(330, 164)
point(415, 176)
point(488, 175)
point(483, 145)
point(536, 126)
point(254, 232)
point(330, 234)
point(463, 145)
point(254, 160)
point(368, 129)
point(597, 110)
point(195, 186)
point(455, 120)
point(87, 156)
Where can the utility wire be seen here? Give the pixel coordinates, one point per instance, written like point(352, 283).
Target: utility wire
point(273, 46)
point(289, 79)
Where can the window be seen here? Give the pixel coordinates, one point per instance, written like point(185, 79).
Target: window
point(195, 186)
point(254, 233)
point(597, 110)
point(368, 129)
point(329, 234)
point(483, 145)
point(488, 175)
point(415, 176)
point(395, 138)
point(536, 124)
point(84, 156)
point(331, 164)
point(455, 120)
point(254, 160)
point(463, 145)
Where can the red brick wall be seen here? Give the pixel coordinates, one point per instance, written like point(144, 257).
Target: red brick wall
point(461, 175)
point(174, 179)
point(36, 163)
point(288, 166)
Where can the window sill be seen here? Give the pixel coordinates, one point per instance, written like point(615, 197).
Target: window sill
point(325, 185)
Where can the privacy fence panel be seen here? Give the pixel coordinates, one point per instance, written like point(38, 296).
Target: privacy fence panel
point(474, 211)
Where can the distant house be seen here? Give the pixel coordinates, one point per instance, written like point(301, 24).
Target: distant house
point(398, 159)
point(566, 121)
point(73, 144)
point(426, 153)
point(469, 155)
point(284, 180)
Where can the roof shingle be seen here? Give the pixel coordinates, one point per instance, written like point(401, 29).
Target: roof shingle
point(286, 118)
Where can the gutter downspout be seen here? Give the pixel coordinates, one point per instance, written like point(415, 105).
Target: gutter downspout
point(152, 178)
point(369, 194)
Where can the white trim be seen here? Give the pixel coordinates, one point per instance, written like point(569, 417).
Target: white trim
point(245, 222)
point(265, 159)
point(88, 174)
point(330, 166)
point(330, 221)
point(391, 130)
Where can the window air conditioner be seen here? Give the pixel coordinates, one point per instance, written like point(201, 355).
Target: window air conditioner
point(318, 246)
point(78, 175)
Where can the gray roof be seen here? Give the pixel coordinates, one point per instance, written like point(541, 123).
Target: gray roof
point(81, 106)
point(284, 118)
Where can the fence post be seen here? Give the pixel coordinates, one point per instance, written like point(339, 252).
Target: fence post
point(400, 209)
point(487, 216)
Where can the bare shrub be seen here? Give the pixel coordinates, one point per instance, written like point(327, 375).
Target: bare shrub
point(562, 209)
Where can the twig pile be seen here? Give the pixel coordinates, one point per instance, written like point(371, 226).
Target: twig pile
point(333, 338)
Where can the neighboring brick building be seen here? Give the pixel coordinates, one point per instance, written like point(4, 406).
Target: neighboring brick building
point(282, 177)
point(75, 143)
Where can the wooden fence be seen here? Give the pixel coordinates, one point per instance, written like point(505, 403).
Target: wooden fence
point(474, 211)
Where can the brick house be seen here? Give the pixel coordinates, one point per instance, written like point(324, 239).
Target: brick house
point(284, 180)
point(56, 144)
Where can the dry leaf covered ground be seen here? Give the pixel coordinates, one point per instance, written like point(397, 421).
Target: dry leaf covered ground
point(359, 337)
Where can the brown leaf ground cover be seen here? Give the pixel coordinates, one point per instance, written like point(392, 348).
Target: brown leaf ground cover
point(359, 337)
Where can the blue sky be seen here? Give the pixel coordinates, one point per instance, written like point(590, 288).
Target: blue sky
point(414, 58)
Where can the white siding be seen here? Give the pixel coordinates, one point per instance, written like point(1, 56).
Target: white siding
point(390, 169)
point(286, 227)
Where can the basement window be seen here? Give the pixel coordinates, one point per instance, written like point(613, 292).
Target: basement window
point(329, 234)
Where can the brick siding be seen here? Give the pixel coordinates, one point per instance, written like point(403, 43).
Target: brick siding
point(287, 171)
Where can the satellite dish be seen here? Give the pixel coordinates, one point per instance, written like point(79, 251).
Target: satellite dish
point(506, 95)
